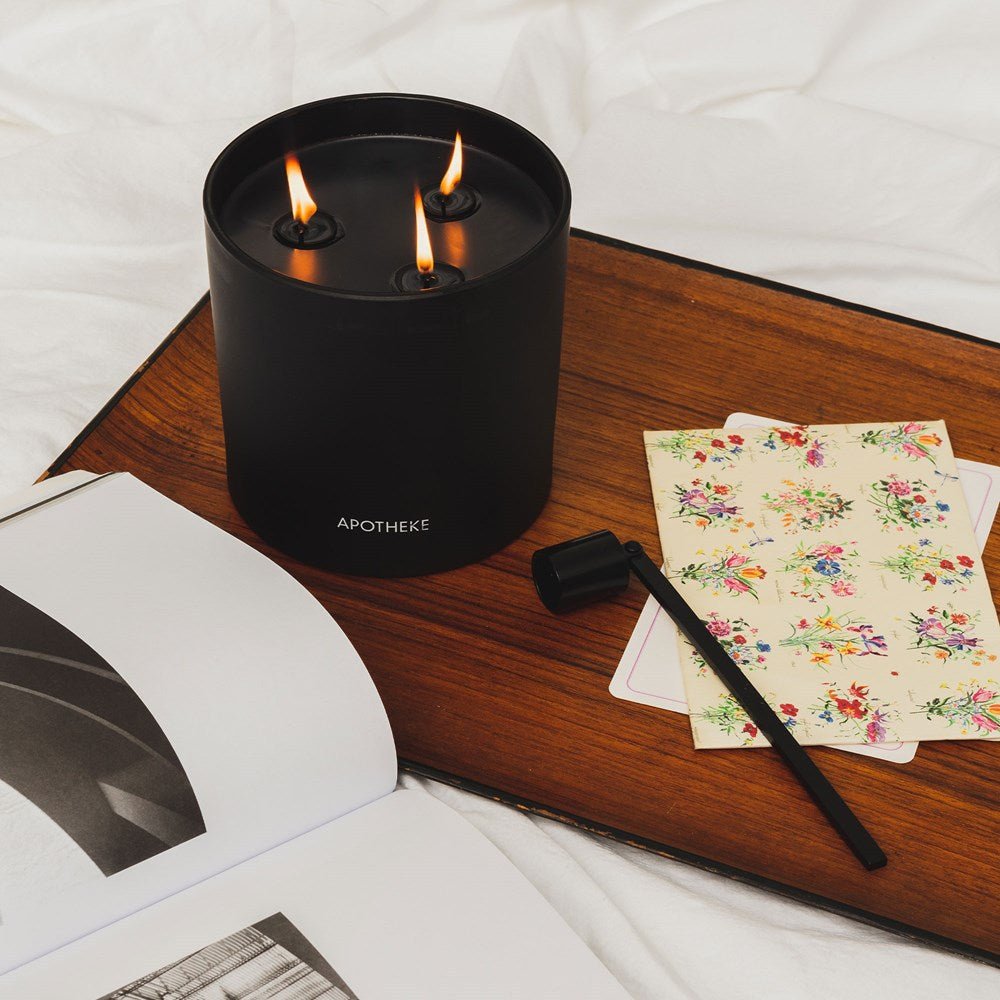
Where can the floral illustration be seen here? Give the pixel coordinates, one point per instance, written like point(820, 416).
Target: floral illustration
point(821, 570)
point(799, 445)
point(904, 503)
point(912, 440)
point(945, 633)
point(706, 502)
point(730, 718)
point(971, 705)
point(856, 710)
point(804, 507)
point(739, 639)
point(930, 565)
point(827, 636)
point(702, 447)
point(727, 571)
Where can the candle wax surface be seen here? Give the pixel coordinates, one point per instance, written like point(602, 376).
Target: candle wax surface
point(367, 183)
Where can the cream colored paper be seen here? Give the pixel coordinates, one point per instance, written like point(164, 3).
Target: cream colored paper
point(838, 565)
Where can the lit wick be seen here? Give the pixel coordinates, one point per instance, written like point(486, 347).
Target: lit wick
point(425, 252)
point(453, 174)
point(424, 275)
point(306, 227)
point(451, 199)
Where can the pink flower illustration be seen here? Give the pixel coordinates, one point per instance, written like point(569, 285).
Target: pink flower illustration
point(966, 708)
point(912, 427)
point(843, 589)
point(912, 450)
point(814, 458)
point(985, 722)
point(932, 628)
point(731, 571)
point(718, 628)
point(694, 498)
point(875, 731)
point(899, 488)
point(827, 551)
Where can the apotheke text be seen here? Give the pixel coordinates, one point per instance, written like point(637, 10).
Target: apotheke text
point(384, 527)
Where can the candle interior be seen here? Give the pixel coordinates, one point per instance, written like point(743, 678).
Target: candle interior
point(367, 183)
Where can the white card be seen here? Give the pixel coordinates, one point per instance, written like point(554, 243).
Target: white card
point(649, 672)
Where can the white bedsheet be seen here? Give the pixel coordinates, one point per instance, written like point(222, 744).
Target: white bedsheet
point(847, 147)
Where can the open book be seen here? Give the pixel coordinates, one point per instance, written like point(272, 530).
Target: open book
point(197, 786)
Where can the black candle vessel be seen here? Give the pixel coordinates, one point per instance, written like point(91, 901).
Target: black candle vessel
point(386, 414)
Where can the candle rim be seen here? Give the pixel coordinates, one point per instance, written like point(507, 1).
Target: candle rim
point(212, 217)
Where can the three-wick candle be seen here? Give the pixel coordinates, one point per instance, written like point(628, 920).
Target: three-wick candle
point(387, 275)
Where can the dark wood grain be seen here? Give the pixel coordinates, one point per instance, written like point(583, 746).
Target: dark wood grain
point(485, 688)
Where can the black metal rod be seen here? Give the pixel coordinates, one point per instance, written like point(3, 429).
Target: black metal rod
point(810, 776)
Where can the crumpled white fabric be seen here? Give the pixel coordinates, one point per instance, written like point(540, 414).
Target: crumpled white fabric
point(849, 147)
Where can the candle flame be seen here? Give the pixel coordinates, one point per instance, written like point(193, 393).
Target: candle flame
point(303, 207)
point(425, 256)
point(454, 172)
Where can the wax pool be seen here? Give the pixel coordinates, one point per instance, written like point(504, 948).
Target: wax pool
point(367, 183)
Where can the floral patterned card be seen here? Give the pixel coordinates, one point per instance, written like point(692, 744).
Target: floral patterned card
point(838, 567)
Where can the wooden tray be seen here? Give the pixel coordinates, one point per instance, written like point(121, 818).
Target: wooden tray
point(487, 690)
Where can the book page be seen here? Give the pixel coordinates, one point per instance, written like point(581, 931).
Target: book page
point(402, 898)
point(174, 703)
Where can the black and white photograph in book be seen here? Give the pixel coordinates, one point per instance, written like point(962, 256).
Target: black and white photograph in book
point(81, 746)
point(269, 959)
